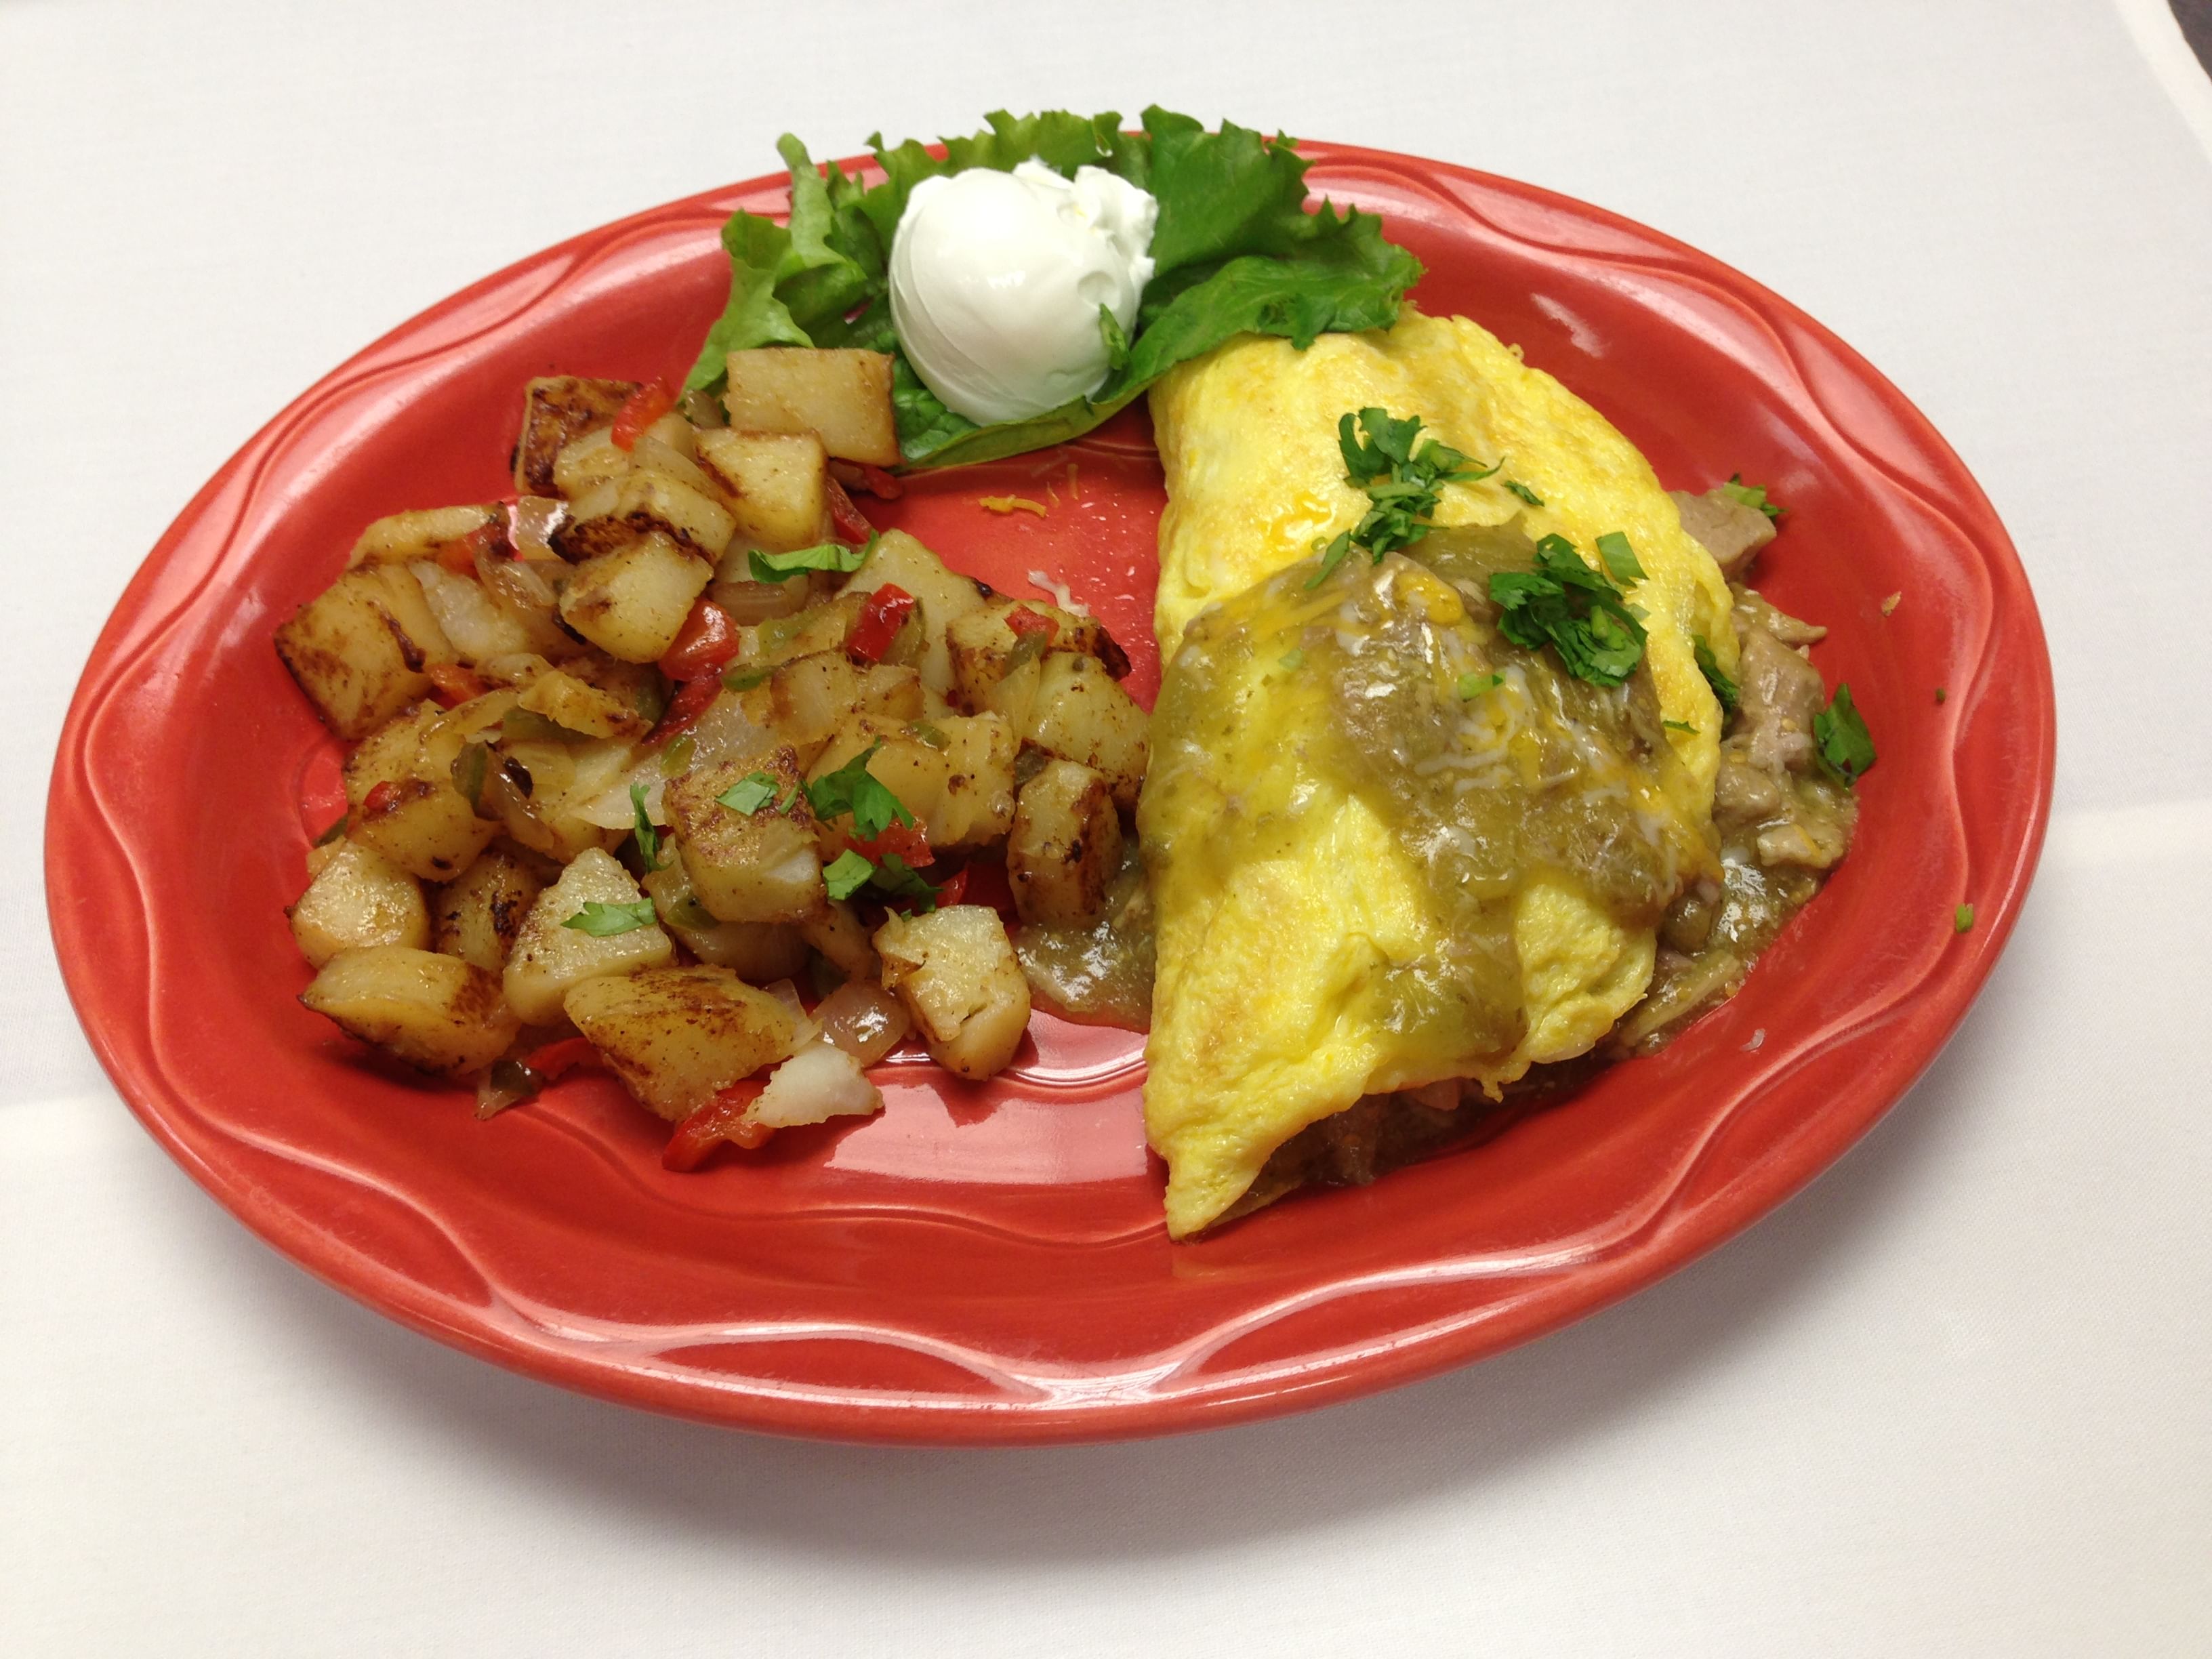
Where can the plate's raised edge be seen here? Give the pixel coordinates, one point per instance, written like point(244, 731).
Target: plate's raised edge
point(2015, 635)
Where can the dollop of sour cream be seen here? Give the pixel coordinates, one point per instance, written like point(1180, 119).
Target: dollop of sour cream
point(996, 279)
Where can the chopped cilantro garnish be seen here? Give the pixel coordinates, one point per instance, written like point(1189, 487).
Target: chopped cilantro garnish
point(1724, 688)
point(1292, 660)
point(1841, 742)
point(751, 792)
point(1473, 685)
point(605, 920)
point(824, 555)
point(1402, 484)
point(1522, 490)
point(847, 874)
point(1680, 726)
point(1619, 557)
point(1962, 919)
point(892, 878)
point(641, 826)
point(1564, 604)
point(852, 788)
point(1751, 495)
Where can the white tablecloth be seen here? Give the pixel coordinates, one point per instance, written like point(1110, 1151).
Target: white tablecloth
point(1955, 1399)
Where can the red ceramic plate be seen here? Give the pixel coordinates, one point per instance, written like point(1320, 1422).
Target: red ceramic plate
point(988, 1263)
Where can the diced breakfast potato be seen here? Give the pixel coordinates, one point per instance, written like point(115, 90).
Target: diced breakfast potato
point(436, 1013)
point(759, 952)
point(678, 1036)
point(900, 561)
point(776, 485)
point(760, 865)
point(556, 411)
point(563, 696)
point(984, 646)
point(480, 913)
point(955, 774)
point(814, 1084)
point(404, 538)
point(550, 959)
point(357, 897)
point(638, 505)
point(1081, 714)
point(479, 628)
point(844, 396)
point(1065, 846)
point(358, 649)
point(535, 790)
point(956, 971)
point(399, 786)
point(631, 603)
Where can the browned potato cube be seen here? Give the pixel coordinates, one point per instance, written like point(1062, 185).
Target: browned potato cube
point(759, 952)
point(404, 538)
point(823, 627)
point(678, 1036)
point(357, 897)
point(399, 786)
point(438, 1014)
point(956, 971)
point(551, 959)
point(844, 396)
point(638, 505)
point(776, 485)
point(556, 411)
point(480, 912)
point(1065, 847)
point(359, 648)
point(570, 700)
point(804, 700)
point(756, 865)
point(984, 646)
point(837, 934)
point(632, 602)
point(1081, 714)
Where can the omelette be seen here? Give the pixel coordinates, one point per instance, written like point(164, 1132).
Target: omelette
point(1367, 877)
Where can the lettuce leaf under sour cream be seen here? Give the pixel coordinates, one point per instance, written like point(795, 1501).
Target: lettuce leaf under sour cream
point(1236, 252)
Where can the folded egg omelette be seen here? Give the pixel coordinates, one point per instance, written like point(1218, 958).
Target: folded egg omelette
point(1387, 846)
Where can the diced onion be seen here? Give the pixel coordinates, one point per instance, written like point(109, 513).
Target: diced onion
point(865, 1020)
point(530, 526)
point(804, 1029)
point(1061, 597)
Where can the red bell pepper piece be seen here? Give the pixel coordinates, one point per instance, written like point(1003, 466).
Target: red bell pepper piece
point(381, 798)
point(909, 841)
point(451, 684)
point(704, 645)
point(1025, 621)
point(646, 405)
point(858, 475)
point(556, 1059)
point(460, 556)
point(690, 702)
point(953, 889)
point(881, 617)
point(847, 522)
point(721, 1119)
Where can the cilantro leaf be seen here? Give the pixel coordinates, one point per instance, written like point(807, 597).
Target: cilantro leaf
point(1564, 604)
point(1235, 251)
point(847, 874)
point(605, 920)
point(1525, 492)
point(1619, 557)
point(1472, 685)
point(1751, 495)
point(642, 826)
point(1403, 485)
point(1962, 919)
point(852, 788)
point(1724, 688)
point(751, 792)
point(824, 556)
point(1841, 742)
